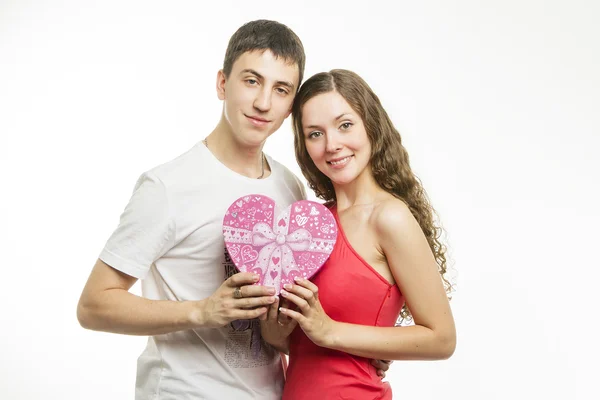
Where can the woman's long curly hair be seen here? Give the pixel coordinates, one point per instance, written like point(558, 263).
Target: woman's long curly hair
point(389, 160)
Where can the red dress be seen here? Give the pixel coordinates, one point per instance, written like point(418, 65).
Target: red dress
point(350, 290)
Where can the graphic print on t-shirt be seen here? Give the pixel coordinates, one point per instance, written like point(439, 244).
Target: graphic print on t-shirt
point(245, 347)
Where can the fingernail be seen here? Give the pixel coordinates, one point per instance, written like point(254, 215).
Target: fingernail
point(272, 290)
point(287, 286)
point(283, 293)
point(255, 278)
point(297, 278)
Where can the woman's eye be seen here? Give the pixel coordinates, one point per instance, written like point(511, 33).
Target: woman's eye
point(314, 134)
point(346, 125)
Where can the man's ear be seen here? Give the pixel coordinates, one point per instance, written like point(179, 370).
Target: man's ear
point(221, 79)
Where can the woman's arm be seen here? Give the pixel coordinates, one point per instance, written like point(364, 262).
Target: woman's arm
point(414, 268)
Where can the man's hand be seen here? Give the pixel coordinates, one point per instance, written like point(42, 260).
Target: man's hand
point(224, 306)
point(275, 328)
point(382, 366)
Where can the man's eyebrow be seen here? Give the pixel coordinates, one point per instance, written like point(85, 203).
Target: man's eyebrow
point(290, 85)
point(253, 72)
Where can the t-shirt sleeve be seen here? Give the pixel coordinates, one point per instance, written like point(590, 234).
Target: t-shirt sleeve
point(146, 230)
point(302, 189)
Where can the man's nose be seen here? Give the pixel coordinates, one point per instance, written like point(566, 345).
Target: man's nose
point(262, 102)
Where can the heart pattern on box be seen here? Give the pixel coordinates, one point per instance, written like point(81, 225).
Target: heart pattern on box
point(278, 246)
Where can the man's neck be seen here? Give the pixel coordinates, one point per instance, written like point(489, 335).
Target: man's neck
point(245, 160)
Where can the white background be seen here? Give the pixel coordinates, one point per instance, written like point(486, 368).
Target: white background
point(498, 104)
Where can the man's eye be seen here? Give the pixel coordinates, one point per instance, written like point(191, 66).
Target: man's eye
point(251, 81)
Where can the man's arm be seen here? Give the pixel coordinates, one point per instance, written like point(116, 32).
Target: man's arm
point(107, 305)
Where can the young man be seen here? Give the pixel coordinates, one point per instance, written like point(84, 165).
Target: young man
point(200, 316)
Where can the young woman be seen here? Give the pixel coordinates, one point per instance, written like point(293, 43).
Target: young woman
point(353, 158)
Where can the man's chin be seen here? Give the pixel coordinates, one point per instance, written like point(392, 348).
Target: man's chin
point(253, 139)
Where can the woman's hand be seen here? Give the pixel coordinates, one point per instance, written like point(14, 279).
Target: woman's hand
point(275, 328)
point(311, 317)
point(313, 320)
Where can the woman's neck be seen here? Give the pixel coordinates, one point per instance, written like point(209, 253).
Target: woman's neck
point(361, 191)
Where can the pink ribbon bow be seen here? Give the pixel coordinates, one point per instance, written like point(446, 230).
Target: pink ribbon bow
point(276, 254)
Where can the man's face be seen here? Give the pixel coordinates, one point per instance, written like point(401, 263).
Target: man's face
point(258, 95)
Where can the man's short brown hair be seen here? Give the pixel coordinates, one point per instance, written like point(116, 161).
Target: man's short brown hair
point(264, 35)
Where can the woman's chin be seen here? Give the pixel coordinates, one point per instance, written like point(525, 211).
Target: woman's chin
point(339, 178)
point(342, 180)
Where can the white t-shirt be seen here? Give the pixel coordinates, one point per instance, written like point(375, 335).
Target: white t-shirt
point(170, 236)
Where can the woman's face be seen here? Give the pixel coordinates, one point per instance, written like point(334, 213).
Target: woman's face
point(335, 138)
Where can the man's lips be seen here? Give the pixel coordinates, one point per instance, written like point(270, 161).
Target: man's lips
point(259, 119)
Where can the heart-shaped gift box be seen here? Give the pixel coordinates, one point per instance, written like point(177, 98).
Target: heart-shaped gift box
point(278, 245)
